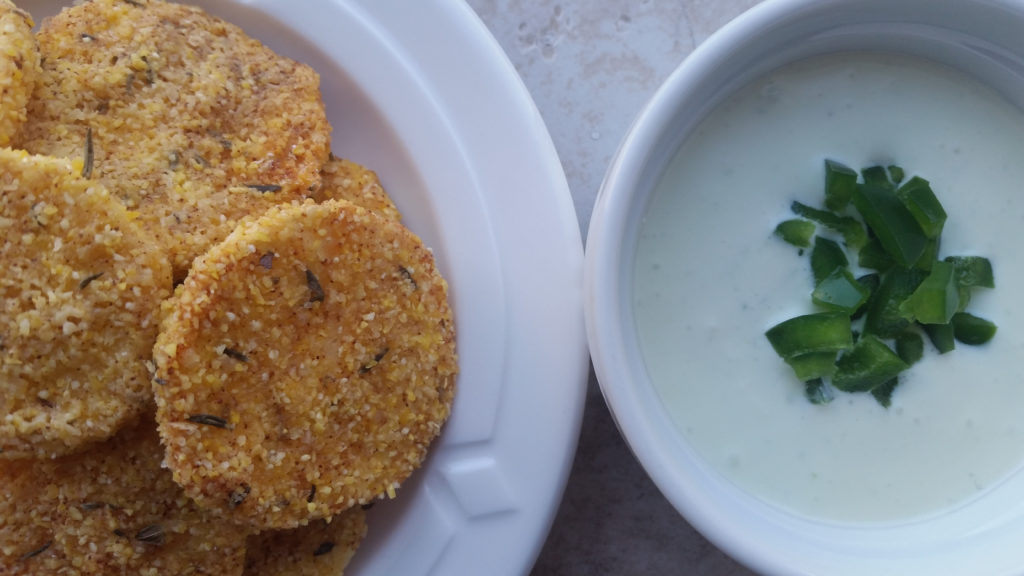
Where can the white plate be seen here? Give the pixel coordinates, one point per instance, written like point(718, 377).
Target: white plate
point(421, 93)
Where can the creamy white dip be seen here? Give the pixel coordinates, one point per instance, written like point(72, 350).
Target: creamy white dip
point(711, 278)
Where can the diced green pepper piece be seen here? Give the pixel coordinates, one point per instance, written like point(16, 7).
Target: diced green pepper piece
point(870, 282)
point(813, 365)
point(873, 256)
point(796, 231)
point(826, 256)
point(971, 329)
point(884, 392)
point(883, 318)
point(909, 346)
point(972, 271)
point(896, 173)
point(918, 197)
point(818, 392)
point(941, 336)
point(892, 223)
point(840, 182)
point(821, 332)
point(869, 364)
point(929, 256)
point(936, 300)
point(840, 291)
point(853, 232)
point(876, 175)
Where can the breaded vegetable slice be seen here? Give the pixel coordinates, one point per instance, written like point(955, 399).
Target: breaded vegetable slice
point(305, 365)
point(19, 68)
point(123, 514)
point(80, 311)
point(111, 509)
point(28, 509)
point(320, 548)
point(189, 121)
point(347, 180)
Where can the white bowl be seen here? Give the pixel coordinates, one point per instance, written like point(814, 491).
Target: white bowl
point(984, 39)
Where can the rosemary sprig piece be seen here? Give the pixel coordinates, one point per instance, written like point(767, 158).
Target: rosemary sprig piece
point(209, 420)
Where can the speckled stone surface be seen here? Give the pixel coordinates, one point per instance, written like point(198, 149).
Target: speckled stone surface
point(590, 66)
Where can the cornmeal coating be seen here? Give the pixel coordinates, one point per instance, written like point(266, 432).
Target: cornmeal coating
point(347, 180)
point(28, 509)
point(19, 68)
point(80, 310)
point(111, 509)
point(305, 365)
point(320, 548)
point(193, 123)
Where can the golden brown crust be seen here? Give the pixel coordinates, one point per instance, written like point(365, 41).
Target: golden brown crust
point(28, 509)
point(320, 548)
point(306, 364)
point(347, 180)
point(193, 123)
point(111, 509)
point(19, 68)
point(81, 291)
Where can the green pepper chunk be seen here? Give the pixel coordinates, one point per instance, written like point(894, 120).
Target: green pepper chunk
point(870, 282)
point(821, 332)
point(840, 291)
point(826, 256)
point(873, 256)
point(852, 231)
point(818, 392)
point(883, 393)
point(813, 365)
point(971, 329)
point(941, 336)
point(869, 364)
point(972, 271)
point(877, 175)
point(840, 182)
point(929, 256)
point(796, 232)
point(936, 300)
point(909, 346)
point(883, 318)
point(919, 199)
point(891, 221)
point(896, 173)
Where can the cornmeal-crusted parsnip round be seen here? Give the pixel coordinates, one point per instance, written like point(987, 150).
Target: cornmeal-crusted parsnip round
point(320, 548)
point(19, 68)
point(111, 509)
point(79, 315)
point(193, 123)
point(347, 180)
point(305, 365)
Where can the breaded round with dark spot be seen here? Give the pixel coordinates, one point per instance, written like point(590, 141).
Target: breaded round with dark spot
point(320, 548)
point(305, 366)
point(19, 68)
point(192, 123)
point(347, 180)
point(110, 509)
point(28, 509)
point(122, 513)
point(80, 312)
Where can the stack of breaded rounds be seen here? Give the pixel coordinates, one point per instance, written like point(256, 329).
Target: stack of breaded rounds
point(218, 343)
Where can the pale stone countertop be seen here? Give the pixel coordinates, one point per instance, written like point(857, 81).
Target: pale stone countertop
point(590, 66)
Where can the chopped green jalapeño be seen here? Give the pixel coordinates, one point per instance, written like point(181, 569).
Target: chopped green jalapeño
point(878, 290)
point(893, 224)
